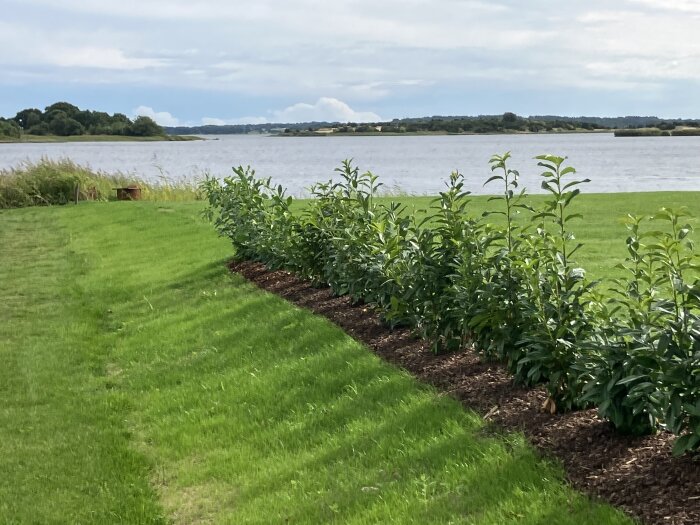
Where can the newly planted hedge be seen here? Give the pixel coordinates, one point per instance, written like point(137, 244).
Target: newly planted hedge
point(511, 291)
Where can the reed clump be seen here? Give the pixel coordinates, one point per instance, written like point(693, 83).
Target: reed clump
point(50, 182)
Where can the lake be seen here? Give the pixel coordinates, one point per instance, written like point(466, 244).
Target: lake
point(409, 164)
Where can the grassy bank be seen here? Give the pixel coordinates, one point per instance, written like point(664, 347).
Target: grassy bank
point(97, 138)
point(143, 383)
point(61, 181)
point(656, 132)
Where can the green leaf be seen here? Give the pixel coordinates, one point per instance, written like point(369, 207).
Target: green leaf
point(574, 182)
point(630, 379)
point(663, 214)
point(550, 158)
point(681, 445)
point(570, 195)
point(495, 177)
point(693, 410)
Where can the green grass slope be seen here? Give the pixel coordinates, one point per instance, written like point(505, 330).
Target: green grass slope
point(142, 383)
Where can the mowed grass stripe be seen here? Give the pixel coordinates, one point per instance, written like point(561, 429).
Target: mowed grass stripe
point(239, 408)
point(65, 454)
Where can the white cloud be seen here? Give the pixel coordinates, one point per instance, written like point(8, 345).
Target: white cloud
point(97, 57)
point(686, 6)
point(63, 48)
point(241, 10)
point(249, 120)
point(161, 117)
point(355, 50)
point(604, 16)
point(210, 121)
point(325, 109)
point(389, 53)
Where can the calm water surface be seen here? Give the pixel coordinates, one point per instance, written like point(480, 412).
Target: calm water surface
point(412, 164)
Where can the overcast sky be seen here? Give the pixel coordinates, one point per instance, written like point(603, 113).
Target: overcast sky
point(211, 61)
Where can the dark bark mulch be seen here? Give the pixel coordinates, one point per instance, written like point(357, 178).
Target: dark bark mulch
point(636, 474)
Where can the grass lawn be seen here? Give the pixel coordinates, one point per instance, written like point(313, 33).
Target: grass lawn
point(142, 383)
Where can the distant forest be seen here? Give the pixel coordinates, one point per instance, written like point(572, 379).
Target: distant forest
point(65, 119)
point(506, 123)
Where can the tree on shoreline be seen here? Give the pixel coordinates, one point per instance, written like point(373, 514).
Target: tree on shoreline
point(9, 128)
point(65, 119)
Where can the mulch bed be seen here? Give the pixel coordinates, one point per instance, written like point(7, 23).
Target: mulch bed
point(636, 474)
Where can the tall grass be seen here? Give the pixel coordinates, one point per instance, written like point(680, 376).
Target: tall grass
point(48, 182)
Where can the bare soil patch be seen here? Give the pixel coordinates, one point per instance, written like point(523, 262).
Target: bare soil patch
point(636, 474)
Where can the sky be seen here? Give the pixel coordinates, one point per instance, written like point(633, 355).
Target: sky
point(187, 62)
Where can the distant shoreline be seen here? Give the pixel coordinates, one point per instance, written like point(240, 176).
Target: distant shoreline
point(434, 133)
point(39, 139)
point(657, 132)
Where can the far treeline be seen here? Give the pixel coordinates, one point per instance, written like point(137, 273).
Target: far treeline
point(64, 119)
point(507, 123)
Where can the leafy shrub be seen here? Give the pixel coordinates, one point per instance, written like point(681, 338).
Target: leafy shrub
point(553, 306)
point(625, 370)
point(491, 301)
point(346, 213)
point(252, 215)
point(678, 325)
point(649, 367)
point(455, 250)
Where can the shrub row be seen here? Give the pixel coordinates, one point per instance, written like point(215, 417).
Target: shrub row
point(511, 292)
